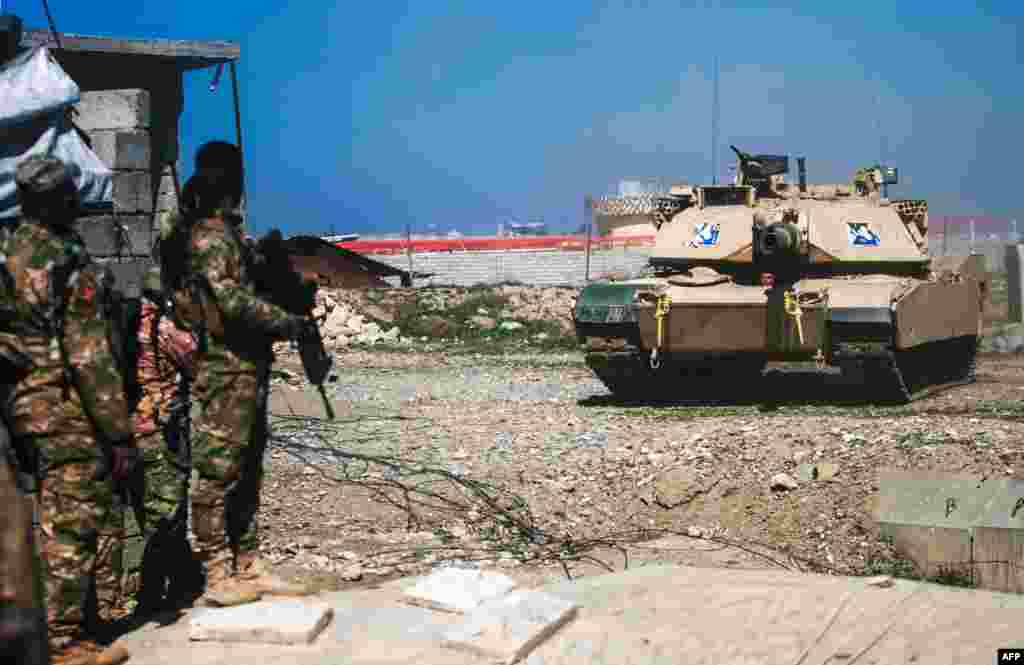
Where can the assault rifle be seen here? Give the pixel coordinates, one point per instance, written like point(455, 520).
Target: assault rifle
point(278, 281)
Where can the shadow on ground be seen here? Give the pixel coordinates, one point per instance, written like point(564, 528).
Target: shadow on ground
point(771, 389)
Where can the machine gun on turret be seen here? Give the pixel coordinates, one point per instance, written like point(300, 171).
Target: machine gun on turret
point(757, 170)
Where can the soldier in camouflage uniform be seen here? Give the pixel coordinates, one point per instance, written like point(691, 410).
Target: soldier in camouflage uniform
point(166, 354)
point(22, 606)
point(237, 328)
point(70, 402)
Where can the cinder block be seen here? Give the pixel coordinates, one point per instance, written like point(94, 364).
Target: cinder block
point(508, 628)
point(100, 236)
point(128, 275)
point(133, 191)
point(280, 622)
point(121, 235)
point(122, 149)
point(113, 109)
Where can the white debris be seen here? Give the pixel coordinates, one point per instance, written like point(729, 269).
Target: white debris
point(458, 589)
point(278, 622)
point(508, 628)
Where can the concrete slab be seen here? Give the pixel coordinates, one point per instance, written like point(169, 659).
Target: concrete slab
point(458, 589)
point(653, 614)
point(510, 627)
point(277, 622)
point(368, 628)
point(953, 501)
point(658, 614)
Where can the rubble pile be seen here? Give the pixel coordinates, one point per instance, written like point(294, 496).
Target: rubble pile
point(342, 324)
point(398, 317)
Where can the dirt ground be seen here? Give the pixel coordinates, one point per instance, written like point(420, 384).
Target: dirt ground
point(606, 484)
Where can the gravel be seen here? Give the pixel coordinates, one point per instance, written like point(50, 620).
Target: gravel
point(466, 384)
point(590, 468)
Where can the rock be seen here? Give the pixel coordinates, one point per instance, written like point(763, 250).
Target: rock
point(279, 622)
point(826, 471)
point(881, 581)
point(483, 322)
point(782, 481)
point(353, 573)
point(379, 313)
point(999, 344)
point(510, 325)
point(507, 629)
point(336, 321)
point(438, 326)
point(675, 487)
point(1014, 342)
point(457, 589)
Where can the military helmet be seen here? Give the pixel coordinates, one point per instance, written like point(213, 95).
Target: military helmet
point(39, 176)
point(219, 155)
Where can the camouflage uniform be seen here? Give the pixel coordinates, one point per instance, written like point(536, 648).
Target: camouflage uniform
point(66, 413)
point(229, 434)
point(166, 354)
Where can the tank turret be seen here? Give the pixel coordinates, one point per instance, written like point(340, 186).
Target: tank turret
point(761, 270)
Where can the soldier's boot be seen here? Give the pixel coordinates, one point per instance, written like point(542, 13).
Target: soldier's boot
point(152, 577)
point(257, 571)
point(249, 580)
point(185, 579)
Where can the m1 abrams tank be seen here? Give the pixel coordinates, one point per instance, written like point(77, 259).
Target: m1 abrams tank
point(761, 271)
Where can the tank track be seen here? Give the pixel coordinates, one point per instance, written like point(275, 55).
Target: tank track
point(903, 376)
point(885, 376)
point(629, 376)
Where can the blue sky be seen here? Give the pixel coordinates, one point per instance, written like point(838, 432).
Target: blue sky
point(367, 116)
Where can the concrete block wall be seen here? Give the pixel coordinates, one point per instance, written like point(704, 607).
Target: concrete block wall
point(118, 124)
point(555, 267)
point(533, 267)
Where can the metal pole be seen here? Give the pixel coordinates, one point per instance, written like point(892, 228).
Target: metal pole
point(1013, 231)
point(972, 236)
point(588, 215)
point(945, 237)
point(238, 131)
point(714, 125)
point(408, 244)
